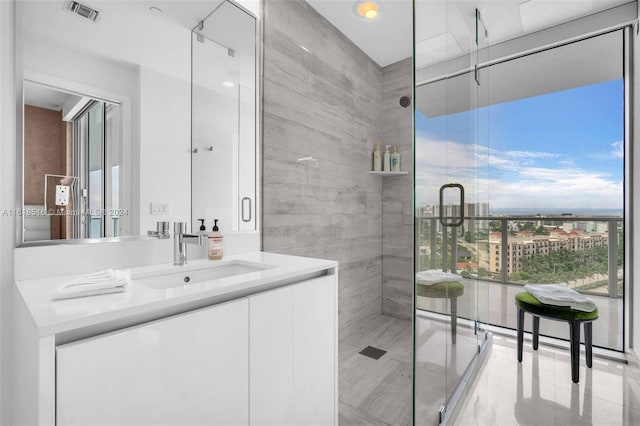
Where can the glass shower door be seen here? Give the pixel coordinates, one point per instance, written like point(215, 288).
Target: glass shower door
point(450, 194)
point(478, 228)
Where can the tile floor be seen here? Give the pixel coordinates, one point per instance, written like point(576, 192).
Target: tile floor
point(537, 392)
point(376, 392)
point(540, 392)
point(379, 392)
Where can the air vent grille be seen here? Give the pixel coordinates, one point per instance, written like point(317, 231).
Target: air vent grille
point(82, 10)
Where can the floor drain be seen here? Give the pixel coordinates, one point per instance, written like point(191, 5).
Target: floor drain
point(372, 352)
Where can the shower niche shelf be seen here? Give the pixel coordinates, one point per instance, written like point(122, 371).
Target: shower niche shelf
point(389, 173)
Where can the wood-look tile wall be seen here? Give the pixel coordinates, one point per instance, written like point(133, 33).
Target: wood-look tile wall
point(397, 193)
point(325, 98)
point(322, 98)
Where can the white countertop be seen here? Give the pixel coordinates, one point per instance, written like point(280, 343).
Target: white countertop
point(144, 303)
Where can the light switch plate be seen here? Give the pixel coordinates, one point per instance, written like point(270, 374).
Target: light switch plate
point(159, 208)
point(62, 195)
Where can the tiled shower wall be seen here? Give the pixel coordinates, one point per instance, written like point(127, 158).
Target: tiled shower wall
point(397, 193)
point(324, 98)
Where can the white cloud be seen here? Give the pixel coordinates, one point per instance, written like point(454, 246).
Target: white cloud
point(617, 149)
point(530, 154)
point(509, 179)
point(615, 153)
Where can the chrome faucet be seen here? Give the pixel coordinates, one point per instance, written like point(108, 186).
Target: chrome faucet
point(180, 241)
point(161, 232)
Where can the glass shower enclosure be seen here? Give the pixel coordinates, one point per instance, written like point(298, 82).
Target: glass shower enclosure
point(451, 144)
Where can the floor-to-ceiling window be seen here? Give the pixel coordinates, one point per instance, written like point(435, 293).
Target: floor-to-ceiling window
point(554, 169)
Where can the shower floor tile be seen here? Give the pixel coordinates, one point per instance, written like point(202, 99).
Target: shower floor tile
point(376, 391)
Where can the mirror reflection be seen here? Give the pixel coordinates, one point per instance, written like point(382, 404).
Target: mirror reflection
point(72, 166)
point(123, 155)
point(224, 120)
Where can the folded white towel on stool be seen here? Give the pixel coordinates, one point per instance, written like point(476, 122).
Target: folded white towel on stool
point(435, 276)
point(103, 282)
point(560, 295)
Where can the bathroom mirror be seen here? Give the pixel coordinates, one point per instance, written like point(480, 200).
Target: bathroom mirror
point(127, 65)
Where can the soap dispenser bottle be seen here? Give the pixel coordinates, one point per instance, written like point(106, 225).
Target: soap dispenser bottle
point(215, 245)
point(377, 158)
point(387, 160)
point(203, 229)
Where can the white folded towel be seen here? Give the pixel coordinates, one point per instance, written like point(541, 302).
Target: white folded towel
point(560, 295)
point(435, 276)
point(103, 282)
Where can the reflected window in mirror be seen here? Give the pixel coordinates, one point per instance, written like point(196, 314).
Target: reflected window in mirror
point(71, 165)
point(97, 166)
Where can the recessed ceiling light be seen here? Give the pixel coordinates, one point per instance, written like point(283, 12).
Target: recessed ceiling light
point(228, 84)
point(155, 10)
point(366, 9)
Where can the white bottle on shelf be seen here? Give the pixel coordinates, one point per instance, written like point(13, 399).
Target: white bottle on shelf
point(386, 162)
point(377, 158)
point(395, 160)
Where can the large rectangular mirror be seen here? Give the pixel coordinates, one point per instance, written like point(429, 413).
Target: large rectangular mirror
point(106, 123)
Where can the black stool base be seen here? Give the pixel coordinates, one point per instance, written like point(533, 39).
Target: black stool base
point(574, 338)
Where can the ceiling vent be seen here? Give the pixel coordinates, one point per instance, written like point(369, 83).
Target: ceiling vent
point(82, 10)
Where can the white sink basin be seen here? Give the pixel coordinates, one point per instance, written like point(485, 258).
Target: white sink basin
point(193, 276)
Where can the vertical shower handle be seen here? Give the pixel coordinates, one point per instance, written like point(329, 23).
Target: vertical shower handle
point(242, 204)
point(460, 220)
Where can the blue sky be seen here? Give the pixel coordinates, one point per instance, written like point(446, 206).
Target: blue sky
point(559, 150)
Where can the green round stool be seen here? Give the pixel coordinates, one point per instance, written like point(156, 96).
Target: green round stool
point(528, 303)
point(444, 290)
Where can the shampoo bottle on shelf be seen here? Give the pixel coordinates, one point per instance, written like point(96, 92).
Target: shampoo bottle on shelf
point(387, 160)
point(215, 245)
point(395, 160)
point(377, 158)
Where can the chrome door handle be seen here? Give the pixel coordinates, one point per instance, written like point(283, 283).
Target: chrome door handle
point(460, 220)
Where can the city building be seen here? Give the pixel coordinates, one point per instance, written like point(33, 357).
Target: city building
point(525, 244)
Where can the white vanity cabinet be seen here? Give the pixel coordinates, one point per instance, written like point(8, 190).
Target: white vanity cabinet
point(259, 350)
point(292, 355)
point(189, 369)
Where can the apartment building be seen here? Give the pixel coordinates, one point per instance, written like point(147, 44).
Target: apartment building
point(525, 244)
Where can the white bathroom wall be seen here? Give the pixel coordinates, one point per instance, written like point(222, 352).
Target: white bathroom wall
point(7, 197)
